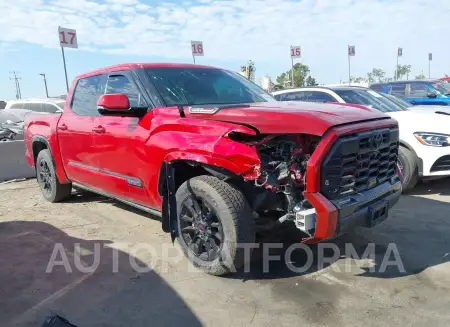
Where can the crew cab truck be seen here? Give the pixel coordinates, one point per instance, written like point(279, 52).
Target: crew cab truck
point(216, 158)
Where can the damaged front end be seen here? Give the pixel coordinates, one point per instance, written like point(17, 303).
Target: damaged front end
point(278, 183)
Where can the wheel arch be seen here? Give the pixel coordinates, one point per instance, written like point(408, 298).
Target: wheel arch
point(39, 143)
point(419, 161)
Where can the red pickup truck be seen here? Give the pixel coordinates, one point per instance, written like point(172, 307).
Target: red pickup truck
point(217, 158)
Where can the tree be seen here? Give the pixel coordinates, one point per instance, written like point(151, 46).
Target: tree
point(370, 78)
point(420, 76)
point(359, 80)
point(403, 70)
point(311, 81)
point(300, 74)
point(378, 74)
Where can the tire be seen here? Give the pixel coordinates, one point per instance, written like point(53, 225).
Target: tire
point(51, 188)
point(407, 160)
point(225, 204)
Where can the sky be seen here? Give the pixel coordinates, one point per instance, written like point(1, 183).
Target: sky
point(118, 31)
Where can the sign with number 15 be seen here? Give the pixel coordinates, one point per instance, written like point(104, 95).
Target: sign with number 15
point(295, 52)
point(67, 38)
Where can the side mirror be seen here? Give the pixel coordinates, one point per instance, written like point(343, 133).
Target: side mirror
point(113, 103)
point(431, 95)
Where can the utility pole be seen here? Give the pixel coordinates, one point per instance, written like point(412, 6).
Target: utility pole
point(16, 84)
point(45, 83)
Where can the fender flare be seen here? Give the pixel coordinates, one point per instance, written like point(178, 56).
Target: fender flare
point(57, 162)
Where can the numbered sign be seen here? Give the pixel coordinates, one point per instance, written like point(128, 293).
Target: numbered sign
point(295, 51)
point(197, 48)
point(67, 38)
point(430, 56)
point(400, 52)
point(351, 50)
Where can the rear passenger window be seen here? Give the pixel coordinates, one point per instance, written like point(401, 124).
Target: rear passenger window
point(294, 96)
point(86, 94)
point(48, 108)
point(37, 107)
point(418, 90)
point(121, 84)
point(17, 106)
point(398, 90)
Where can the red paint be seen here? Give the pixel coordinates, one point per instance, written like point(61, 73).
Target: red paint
point(326, 218)
point(123, 155)
point(118, 102)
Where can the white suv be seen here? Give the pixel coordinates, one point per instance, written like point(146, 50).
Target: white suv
point(424, 137)
point(20, 108)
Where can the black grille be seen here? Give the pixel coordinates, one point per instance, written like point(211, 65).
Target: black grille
point(443, 163)
point(359, 162)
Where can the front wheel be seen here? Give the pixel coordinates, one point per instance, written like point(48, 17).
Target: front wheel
point(214, 221)
point(51, 188)
point(408, 165)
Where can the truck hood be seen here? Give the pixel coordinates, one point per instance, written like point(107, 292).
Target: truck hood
point(438, 110)
point(292, 117)
point(415, 121)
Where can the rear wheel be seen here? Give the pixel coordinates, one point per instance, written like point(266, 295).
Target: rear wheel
point(51, 188)
point(214, 218)
point(408, 165)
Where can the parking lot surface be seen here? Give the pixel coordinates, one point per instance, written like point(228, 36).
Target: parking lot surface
point(174, 294)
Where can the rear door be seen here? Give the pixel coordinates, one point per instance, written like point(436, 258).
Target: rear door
point(75, 132)
point(124, 161)
point(417, 94)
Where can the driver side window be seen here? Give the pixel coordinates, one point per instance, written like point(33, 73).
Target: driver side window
point(418, 90)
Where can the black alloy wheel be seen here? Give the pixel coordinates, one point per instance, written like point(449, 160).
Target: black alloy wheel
point(201, 228)
point(45, 177)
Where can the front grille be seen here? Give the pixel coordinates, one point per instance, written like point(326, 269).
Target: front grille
point(443, 163)
point(359, 162)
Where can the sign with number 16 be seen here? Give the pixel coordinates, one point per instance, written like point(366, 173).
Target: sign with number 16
point(197, 48)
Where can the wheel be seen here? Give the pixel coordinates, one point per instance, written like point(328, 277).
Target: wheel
point(51, 188)
point(213, 219)
point(408, 166)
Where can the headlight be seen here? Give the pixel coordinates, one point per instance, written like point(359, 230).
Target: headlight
point(433, 139)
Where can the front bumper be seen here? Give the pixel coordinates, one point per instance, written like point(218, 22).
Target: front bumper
point(429, 156)
point(358, 210)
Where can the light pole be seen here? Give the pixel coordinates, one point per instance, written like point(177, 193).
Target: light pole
point(45, 83)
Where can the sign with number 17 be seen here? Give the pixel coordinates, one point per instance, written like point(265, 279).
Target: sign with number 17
point(67, 38)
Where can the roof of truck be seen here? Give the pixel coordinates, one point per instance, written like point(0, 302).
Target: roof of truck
point(128, 66)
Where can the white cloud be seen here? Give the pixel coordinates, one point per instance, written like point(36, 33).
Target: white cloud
point(261, 30)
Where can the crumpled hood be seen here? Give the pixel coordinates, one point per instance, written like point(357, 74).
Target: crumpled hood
point(438, 110)
point(292, 117)
point(414, 121)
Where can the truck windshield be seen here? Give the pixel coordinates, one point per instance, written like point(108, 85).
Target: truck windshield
point(369, 99)
point(204, 86)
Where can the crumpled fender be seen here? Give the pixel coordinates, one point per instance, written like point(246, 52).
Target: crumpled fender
point(238, 158)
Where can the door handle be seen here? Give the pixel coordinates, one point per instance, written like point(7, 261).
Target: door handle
point(62, 127)
point(99, 129)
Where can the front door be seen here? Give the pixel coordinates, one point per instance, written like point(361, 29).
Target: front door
point(120, 142)
point(75, 131)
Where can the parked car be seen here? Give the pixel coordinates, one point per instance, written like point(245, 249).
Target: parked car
point(439, 110)
point(424, 136)
point(216, 157)
point(11, 127)
point(418, 92)
point(44, 106)
point(445, 79)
